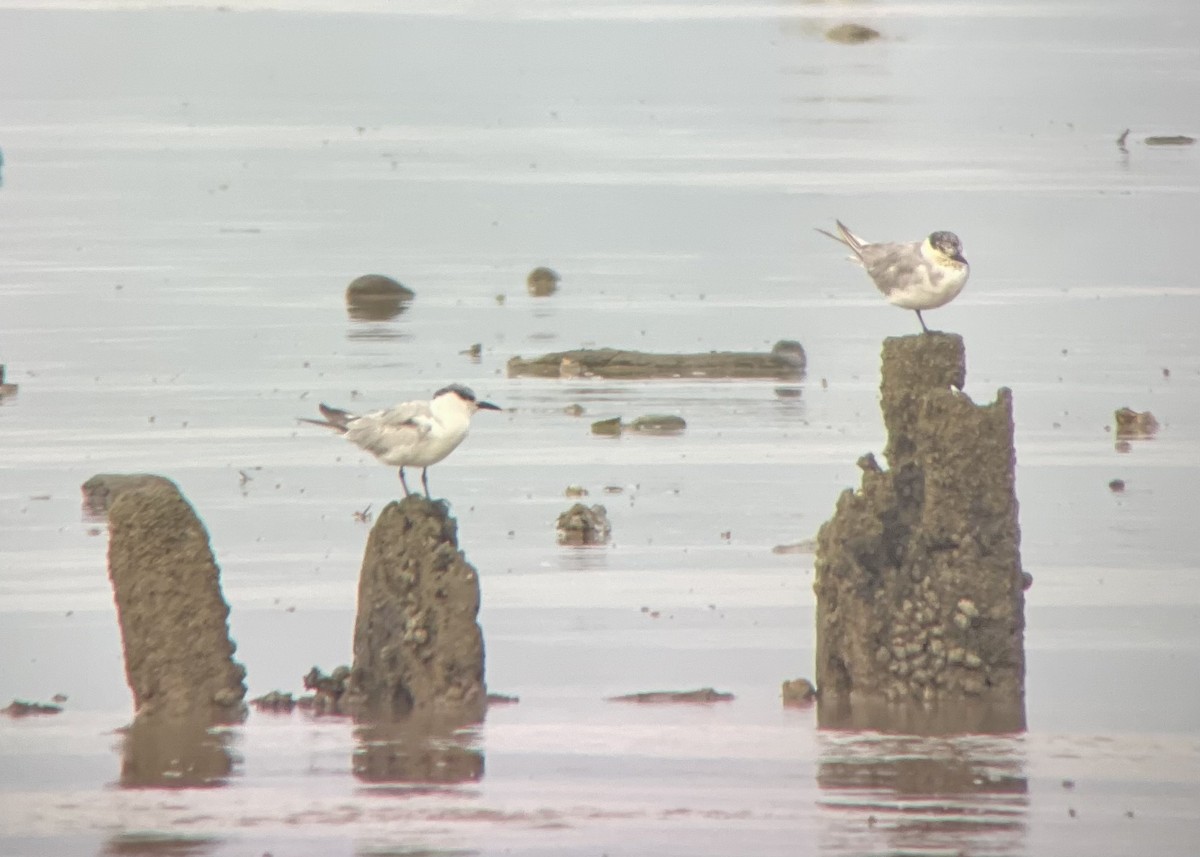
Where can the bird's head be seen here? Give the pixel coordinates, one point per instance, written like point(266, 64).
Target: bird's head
point(948, 245)
point(465, 395)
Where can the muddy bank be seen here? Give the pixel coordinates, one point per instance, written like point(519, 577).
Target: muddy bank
point(418, 650)
point(173, 616)
point(785, 360)
point(919, 584)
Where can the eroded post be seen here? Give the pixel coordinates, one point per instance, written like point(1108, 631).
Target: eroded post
point(418, 650)
point(173, 617)
point(920, 602)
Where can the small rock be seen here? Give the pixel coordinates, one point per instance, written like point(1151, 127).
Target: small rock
point(851, 34)
point(575, 410)
point(374, 297)
point(581, 525)
point(575, 491)
point(276, 702)
point(1116, 486)
point(474, 352)
point(1068, 784)
point(328, 690)
point(798, 692)
point(657, 424)
point(542, 282)
point(1132, 424)
point(609, 428)
point(501, 699)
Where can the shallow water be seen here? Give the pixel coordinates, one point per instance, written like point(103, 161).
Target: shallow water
point(187, 191)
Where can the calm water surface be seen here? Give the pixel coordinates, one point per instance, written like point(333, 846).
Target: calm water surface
point(187, 191)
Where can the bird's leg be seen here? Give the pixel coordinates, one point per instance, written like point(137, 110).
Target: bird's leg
point(403, 482)
point(923, 327)
point(425, 480)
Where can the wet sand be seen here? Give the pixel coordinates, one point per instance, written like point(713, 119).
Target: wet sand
point(179, 233)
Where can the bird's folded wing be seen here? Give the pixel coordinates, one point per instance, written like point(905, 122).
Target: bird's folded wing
point(892, 266)
point(396, 428)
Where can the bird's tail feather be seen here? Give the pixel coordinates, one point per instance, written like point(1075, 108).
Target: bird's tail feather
point(335, 418)
point(846, 237)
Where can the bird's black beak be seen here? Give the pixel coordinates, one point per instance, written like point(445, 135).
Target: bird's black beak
point(488, 406)
point(958, 257)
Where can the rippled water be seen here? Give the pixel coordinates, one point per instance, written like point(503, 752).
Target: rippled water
point(187, 191)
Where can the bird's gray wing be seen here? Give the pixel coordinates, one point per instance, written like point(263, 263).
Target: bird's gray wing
point(400, 427)
point(892, 265)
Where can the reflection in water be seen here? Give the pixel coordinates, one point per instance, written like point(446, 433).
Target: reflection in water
point(410, 752)
point(922, 795)
point(369, 332)
point(158, 845)
point(993, 716)
point(175, 754)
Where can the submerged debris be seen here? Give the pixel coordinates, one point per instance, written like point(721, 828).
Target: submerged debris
point(1134, 424)
point(327, 690)
point(581, 525)
point(703, 696)
point(802, 546)
point(786, 360)
point(658, 424)
point(852, 34)
point(20, 708)
point(1170, 140)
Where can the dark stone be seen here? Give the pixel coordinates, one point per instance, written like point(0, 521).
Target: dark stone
point(418, 650)
point(785, 360)
point(174, 619)
point(542, 282)
point(919, 584)
point(374, 297)
point(798, 693)
point(658, 424)
point(851, 34)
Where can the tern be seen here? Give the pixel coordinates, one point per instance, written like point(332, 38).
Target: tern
point(410, 434)
point(918, 275)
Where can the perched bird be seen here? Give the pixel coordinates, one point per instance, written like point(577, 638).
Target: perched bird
point(920, 275)
point(411, 434)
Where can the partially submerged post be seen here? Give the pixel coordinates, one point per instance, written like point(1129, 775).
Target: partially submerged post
point(174, 619)
point(920, 603)
point(418, 651)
